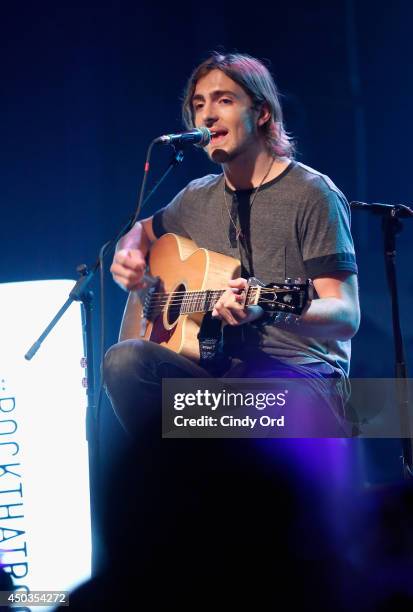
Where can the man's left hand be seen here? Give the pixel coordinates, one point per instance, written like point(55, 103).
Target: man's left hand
point(231, 305)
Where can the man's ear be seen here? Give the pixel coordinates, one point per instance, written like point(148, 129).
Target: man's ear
point(264, 114)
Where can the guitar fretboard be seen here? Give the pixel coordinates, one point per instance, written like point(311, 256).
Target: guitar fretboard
point(199, 301)
point(189, 302)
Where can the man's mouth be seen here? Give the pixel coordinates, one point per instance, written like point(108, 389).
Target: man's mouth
point(218, 135)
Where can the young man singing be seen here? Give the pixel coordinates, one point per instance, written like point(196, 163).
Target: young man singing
point(280, 218)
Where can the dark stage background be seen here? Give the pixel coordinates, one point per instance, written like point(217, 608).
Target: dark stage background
point(86, 86)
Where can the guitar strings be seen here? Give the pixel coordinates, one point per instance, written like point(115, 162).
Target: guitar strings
point(185, 298)
point(177, 296)
point(176, 302)
point(158, 306)
point(153, 311)
point(262, 289)
point(179, 302)
point(181, 295)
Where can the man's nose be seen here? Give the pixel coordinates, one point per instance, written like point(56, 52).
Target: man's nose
point(209, 115)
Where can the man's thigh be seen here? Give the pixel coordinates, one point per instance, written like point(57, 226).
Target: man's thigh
point(133, 372)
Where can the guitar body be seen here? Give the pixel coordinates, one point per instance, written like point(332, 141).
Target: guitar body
point(176, 264)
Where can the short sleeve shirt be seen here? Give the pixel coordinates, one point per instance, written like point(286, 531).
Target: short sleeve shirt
point(298, 226)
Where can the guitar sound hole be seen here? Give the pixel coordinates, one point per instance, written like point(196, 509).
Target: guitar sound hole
point(175, 304)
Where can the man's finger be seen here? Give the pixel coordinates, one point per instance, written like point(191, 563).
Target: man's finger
point(238, 283)
point(130, 260)
point(233, 314)
point(122, 272)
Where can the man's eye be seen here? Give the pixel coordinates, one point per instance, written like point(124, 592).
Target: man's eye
point(226, 100)
point(198, 107)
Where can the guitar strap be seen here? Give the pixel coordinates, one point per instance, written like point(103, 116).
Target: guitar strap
point(214, 353)
point(235, 337)
point(212, 358)
point(241, 210)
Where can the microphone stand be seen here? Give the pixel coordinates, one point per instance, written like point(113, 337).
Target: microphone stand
point(391, 226)
point(81, 293)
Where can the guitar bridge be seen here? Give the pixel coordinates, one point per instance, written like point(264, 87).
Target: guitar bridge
point(149, 309)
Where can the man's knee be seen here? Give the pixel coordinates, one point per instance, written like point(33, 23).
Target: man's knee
point(123, 359)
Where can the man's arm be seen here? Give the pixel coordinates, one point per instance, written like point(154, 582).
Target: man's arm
point(335, 315)
point(128, 266)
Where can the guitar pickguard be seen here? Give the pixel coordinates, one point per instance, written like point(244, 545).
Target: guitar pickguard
point(159, 333)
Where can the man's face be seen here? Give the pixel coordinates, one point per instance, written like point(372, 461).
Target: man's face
point(223, 106)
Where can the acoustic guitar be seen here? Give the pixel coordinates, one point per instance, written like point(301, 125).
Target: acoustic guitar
point(183, 283)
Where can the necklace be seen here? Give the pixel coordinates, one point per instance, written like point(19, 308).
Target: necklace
point(238, 231)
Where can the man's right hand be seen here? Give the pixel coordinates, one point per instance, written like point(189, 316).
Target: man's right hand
point(128, 268)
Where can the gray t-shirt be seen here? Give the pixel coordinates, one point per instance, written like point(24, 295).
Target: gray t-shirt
point(298, 226)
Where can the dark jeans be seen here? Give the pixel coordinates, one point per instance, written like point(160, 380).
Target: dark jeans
point(134, 369)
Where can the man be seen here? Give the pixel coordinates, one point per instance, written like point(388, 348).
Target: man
point(281, 218)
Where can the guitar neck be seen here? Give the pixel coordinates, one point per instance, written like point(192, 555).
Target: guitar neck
point(285, 298)
point(204, 301)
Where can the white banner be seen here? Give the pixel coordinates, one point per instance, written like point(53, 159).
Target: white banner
point(45, 541)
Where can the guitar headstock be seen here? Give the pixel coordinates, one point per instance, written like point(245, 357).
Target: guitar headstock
point(289, 296)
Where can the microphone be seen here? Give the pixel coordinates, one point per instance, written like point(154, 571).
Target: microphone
point(378, 208)
point(199, 136)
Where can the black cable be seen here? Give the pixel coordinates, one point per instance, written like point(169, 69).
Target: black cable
point(102, 336)
point(177, 158)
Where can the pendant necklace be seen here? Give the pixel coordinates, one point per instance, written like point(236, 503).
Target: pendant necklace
point(238, 232)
